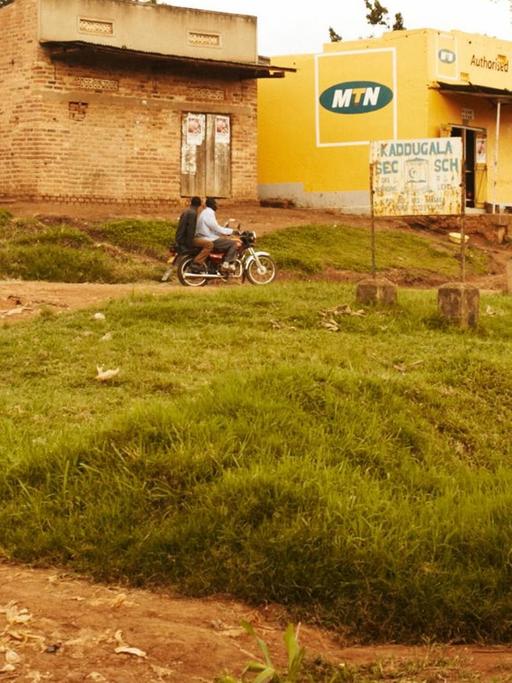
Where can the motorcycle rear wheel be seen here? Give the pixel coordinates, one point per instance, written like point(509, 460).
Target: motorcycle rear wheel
point(188, 278)
point(263, 274)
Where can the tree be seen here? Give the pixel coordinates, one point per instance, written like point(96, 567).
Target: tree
point(333, 36)
point(378, 16)
point(399, 22)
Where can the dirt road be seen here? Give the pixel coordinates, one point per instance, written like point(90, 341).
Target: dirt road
point(59, 627)
point(20, 299)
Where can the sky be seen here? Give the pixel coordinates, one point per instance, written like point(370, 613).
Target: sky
point(297, 26)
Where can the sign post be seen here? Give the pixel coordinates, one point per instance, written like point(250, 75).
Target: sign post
point(373, 245)
point(459, 302)
point(375, 290)
point(417, 177)
point(463, 226)
point(422, 177)
point(407, 178)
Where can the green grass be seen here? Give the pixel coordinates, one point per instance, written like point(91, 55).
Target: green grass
point(432, 666)
point(362, 478)
point(151, 237)
point(32, 250)
point(311, 249)
point(130, 250)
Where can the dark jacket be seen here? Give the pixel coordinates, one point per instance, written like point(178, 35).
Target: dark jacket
point(186, 229)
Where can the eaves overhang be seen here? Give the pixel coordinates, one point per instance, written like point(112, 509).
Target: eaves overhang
point(495, 94)
point(71, 50)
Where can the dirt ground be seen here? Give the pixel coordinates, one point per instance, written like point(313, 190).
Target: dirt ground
point(59, 627)
point(20, 300)
point(250, 214)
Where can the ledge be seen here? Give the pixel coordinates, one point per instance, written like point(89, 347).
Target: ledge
point(71, 50)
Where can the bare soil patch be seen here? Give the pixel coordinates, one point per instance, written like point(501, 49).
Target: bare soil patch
point(60, 627)
point(20, 299)
point(250, 213)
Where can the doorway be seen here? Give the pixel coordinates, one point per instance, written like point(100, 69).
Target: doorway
point(474, 160)
point(205, 155)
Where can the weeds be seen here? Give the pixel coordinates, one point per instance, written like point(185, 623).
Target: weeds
point(312, 249)
point(148, 237)
point(431, 666)
point(265, 671)
point(32, 250)
point(127, 250)
point(329, 471)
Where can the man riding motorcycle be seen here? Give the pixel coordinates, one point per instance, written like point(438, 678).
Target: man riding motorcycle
point(208, 229)
point(186, 240)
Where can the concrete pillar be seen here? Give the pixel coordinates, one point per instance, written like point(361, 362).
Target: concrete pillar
point(376, 291)
point(459, 303)
point(509, 276)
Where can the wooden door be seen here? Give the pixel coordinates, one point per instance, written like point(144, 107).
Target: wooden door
point(193, 155)
point(481, 169)
point(218, 156)
point(206, 155)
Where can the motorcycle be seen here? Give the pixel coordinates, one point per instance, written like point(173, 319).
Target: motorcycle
point(256, 266)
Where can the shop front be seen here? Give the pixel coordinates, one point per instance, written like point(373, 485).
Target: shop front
point(315, 128)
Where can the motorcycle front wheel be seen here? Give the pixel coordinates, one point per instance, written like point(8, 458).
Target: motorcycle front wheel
point(262, 274)
point(186, 277)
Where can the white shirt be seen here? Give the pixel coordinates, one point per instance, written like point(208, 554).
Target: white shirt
point(207, 226)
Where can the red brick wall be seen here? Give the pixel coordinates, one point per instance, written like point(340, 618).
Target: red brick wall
point(105, 133)
point(19, 116)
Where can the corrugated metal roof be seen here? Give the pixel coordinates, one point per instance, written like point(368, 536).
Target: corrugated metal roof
point(261, 69)
point(503, 95)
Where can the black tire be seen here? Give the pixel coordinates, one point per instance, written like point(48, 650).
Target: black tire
point(268, 273)
point(186, 277)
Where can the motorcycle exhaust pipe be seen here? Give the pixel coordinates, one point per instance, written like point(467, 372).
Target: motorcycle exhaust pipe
point(202, 275)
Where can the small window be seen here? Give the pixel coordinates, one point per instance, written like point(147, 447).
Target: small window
point(77, 110)
point(202, 39)
point(96, 26)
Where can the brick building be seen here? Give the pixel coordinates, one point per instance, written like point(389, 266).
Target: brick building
point(120, 102)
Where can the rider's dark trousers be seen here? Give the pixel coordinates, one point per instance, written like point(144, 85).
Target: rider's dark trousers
point(228, 246)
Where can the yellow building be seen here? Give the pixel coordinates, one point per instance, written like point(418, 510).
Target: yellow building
point(315, 126)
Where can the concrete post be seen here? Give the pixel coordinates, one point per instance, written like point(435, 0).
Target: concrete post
point(459, 303)
point(376, 291)
point(509, 276)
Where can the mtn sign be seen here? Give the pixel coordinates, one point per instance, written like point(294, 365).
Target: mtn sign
point(356, 97)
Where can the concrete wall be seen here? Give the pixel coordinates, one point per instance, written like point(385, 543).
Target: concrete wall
point(322, 157)
point(352, 202)
point(163, 29)
point(317, 157)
